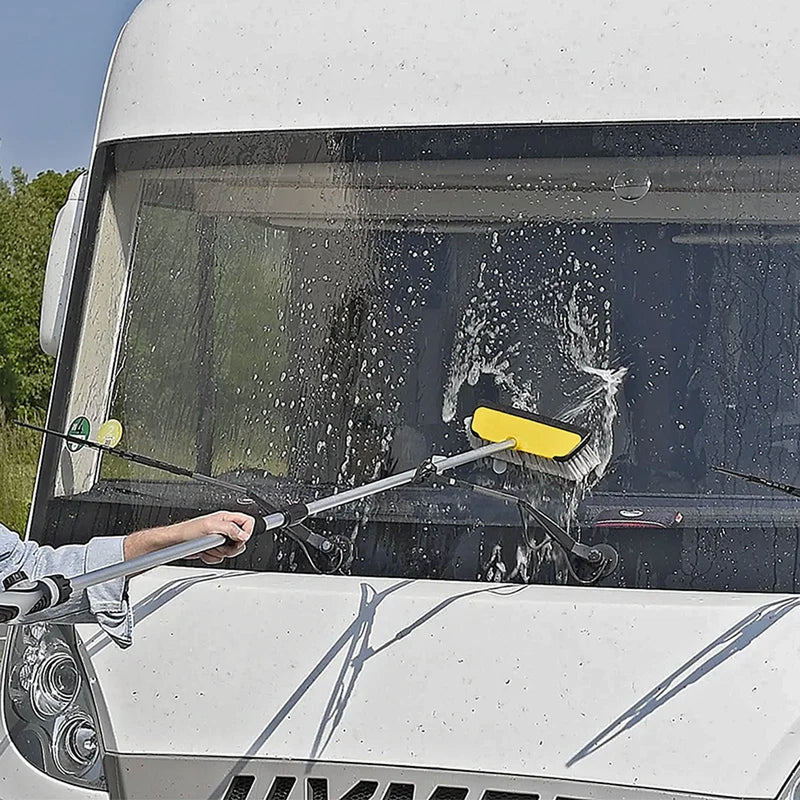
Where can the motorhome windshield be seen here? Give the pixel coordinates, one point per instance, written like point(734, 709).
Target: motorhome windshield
point(306, 312)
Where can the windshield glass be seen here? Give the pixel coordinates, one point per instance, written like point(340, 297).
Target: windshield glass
point(301, 313)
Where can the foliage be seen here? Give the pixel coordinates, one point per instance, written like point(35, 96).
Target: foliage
point(27, 213)
point(19, 456)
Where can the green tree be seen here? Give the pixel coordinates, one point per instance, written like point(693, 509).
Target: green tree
point(27, 212)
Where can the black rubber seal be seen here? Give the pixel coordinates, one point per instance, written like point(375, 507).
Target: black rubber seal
point(294, 514)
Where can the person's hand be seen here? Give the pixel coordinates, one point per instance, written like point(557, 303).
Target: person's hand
point(236, 526)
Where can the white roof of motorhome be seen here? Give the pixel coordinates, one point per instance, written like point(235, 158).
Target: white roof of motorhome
point(184, 66)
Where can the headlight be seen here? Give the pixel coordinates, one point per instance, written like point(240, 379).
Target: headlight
point(74, 747)
point(49, 711)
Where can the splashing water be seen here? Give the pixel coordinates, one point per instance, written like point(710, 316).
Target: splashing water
point(561, 350)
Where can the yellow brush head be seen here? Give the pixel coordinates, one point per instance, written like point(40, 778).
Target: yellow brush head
point(535, 435)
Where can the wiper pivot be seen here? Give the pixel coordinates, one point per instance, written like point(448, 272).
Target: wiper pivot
point(588, 564)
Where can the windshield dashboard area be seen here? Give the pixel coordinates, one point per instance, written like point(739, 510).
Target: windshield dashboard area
point(307, 312)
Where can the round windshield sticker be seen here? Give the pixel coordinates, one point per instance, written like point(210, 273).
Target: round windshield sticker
point(110, 433)
point(79, 427)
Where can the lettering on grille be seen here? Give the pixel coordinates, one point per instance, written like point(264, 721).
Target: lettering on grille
point(363, 790)
point(317, 789)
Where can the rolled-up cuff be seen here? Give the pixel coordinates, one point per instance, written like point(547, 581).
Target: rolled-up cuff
point(108, 601)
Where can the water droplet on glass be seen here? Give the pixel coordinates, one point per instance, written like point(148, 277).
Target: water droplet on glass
point(631, 185)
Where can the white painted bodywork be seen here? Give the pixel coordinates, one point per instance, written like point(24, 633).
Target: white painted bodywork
point(185, 66)
point(637, 688)
point(60, 266)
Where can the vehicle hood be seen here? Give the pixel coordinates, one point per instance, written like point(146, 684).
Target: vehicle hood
point(671, 690)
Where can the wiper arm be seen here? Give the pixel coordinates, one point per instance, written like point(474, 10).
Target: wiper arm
point(335, 548)
point(593, 562)
point(781, 487)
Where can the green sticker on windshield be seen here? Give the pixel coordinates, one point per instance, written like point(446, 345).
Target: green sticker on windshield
point(80, 428)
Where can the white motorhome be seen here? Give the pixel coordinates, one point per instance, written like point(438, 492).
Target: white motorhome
point(312, 237)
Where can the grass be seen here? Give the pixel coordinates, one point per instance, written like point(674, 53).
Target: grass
point(19, 456)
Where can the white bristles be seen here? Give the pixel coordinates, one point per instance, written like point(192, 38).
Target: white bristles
point(576, 468)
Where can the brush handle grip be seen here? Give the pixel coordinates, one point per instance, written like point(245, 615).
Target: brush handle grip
point(22, 596)
point(260, 526)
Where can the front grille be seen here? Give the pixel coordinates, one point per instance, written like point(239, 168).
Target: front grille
point(363, 790)
point(449, 793)
point(281, 779)
point(399, 791)
point(317, 789)
point(240, 787)
point(281, 788)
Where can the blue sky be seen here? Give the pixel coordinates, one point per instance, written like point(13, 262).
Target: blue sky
point(53, 58)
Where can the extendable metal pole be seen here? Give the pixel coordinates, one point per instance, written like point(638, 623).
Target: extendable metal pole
point(24, 596)
point(281, 519)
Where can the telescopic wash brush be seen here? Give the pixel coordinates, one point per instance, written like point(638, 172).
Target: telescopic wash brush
point(535, 439)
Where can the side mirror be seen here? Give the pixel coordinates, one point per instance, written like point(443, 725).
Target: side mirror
point(60, 266)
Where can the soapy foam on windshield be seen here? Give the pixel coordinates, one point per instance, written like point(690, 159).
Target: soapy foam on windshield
point(540, 336)
point(551, 336)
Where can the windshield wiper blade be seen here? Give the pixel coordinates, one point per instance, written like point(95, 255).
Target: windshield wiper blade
point(299, 532)
point(595, 561)
point(781, 487)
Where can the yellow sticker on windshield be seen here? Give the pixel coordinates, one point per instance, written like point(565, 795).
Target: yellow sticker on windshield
point(110, 433)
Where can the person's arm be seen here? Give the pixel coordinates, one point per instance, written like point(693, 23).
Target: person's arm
point(107, 603)
point(237, 527)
